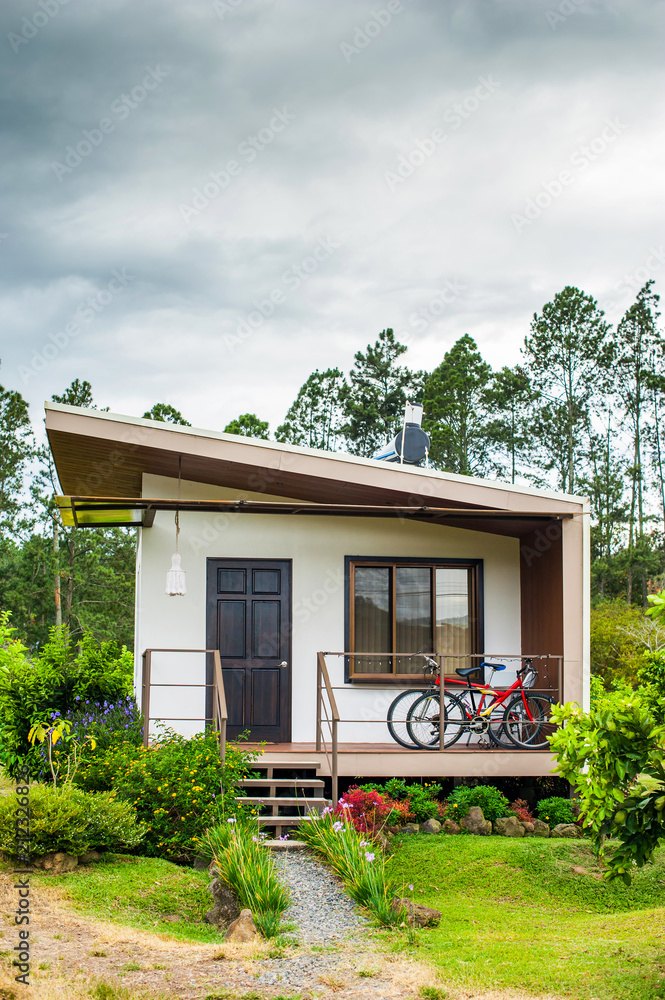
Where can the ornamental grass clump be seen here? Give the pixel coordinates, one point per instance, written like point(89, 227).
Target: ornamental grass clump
point(245, 864)
point(359, 863)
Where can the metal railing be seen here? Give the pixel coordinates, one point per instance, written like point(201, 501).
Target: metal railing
point(219, 716)
point(326, 705)
point(329, 718)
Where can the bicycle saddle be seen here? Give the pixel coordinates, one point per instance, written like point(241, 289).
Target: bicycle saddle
point(467, 671)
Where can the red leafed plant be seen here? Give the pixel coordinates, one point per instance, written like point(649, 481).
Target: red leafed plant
point(366, 810)
point(520, 808)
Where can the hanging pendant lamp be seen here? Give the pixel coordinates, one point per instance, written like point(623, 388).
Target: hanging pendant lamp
point(176, 581)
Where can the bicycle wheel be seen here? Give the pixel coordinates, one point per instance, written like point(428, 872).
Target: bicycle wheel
point(397, 717)
point(423, 721)
point(527, 721)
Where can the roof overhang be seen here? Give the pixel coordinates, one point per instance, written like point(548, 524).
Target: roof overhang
point(101, 459)
point(121, 512)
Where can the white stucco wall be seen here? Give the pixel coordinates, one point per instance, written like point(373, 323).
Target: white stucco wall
point(317, 547)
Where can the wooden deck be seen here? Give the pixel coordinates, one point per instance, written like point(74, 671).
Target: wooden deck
point(390, 760)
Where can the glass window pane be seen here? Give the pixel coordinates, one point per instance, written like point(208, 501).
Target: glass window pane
point(372, 625)
point(453, 633)
point(413, 614)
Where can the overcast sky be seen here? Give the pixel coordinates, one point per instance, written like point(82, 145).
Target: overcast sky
point(204, 201)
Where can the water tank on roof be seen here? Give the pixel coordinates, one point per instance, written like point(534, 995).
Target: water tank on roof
point(411, 445)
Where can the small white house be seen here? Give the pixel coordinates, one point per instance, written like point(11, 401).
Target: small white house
point(291, 553)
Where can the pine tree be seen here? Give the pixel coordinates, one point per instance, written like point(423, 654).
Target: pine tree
point(378, 391)
point(315, 419)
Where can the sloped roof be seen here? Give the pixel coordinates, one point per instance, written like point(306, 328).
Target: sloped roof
point(101, 454)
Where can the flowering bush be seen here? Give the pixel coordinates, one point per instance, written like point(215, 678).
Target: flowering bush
point(367, 810)
point(520, 808)
point(359, 863)
point(411, 802)
point(178, 787)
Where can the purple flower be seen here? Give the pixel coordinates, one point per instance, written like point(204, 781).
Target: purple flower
point(369, 856)
point(284, 836)
point(338, 826)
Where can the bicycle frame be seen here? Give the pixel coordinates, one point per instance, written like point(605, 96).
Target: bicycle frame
point(499, 697)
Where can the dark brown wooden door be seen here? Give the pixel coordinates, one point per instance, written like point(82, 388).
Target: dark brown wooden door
point(249, 621)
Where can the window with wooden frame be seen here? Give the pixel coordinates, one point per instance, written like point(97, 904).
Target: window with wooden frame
point(397, 608)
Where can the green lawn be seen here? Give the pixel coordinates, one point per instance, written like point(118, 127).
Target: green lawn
point(515, 915)
point(140, 892)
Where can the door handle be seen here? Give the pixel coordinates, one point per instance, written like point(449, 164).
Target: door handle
point(283, 664)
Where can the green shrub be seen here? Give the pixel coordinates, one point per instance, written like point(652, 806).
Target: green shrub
point(71, 820)
point(61, 678)
point(651, 678)
point(617, 640)
point(246, 865)
point(493, 803)
point(556, 810)
point(177, 785)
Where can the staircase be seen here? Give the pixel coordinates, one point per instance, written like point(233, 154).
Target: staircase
point(285, 794)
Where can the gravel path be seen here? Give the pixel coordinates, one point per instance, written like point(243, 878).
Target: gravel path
point(320, 909)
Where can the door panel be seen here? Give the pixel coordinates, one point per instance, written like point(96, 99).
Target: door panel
point(249, 621)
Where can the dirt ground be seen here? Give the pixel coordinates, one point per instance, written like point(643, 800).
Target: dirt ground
point(71, 954)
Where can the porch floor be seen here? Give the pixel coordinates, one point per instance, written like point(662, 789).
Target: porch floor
point(390, 760)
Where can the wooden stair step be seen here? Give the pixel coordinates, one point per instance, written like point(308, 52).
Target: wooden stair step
point(282, 782)
point(280, 820)
point(286, 765)
point(285, 800)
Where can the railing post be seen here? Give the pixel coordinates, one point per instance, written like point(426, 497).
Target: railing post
point(145, 695)
point(335, 782)
point(319, 700)
point(442, 720)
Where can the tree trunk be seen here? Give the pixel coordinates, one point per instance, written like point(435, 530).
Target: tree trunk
point(56, 581)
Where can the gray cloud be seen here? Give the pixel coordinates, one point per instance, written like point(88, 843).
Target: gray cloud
point(363, 91)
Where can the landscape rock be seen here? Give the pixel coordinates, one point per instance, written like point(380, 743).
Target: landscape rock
point(450, 826)
point(225, 908)
point(89, 857)
point(540, 829)
point(508, 826)
point(416, 914)
point(56, 863)
point(528, 827)
point(476, 823)
point(567, 830)
point(430, 826)
point(410, 828)
point(243, 928)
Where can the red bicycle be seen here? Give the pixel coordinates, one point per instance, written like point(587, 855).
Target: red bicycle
point(514, 717)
